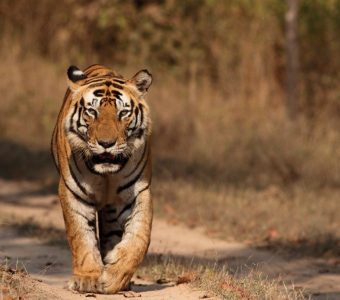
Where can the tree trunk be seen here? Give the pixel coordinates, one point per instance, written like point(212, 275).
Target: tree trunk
point(292, 56)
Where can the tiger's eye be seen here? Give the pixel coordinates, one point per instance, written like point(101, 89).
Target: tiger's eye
point(123, 113)
point(92, 112)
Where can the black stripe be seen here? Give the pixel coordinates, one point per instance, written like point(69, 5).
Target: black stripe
point(139, 162)
point(135, 118)
point(74, 111)
point(117, 232)
point(94, 84)
point(91, 223)
point(132, 104)
point(73, 192)
point(88, 219)
point(127, 207)
point(132, 215)
point(75, 162)
point(79, 124)
point(76, 180)
point(117, 94)
point(119, 80)
point(80, 199)
point(99, 92)
point(117, 86)
point(134, 180)
point(80, 110)
point(137, 114)
point(133, 201)
point(111, 210)
point(78, 134)
point(139, 133)
point(94, 68)
point(142, 113)
point(142, 190)
point(111, 220)
point(81, 214)
point(95, 79)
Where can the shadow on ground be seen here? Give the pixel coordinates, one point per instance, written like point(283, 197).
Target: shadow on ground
point(325, 244)
point(18, 163)
point(50, 260)
point(45, 261)
point(21, 163)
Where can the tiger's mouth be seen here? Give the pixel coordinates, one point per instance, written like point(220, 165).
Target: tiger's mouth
point(108, 158)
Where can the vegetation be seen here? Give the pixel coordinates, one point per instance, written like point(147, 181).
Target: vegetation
point(237, 46)
point(227, 157)
point(214, 280)
point(12, 283)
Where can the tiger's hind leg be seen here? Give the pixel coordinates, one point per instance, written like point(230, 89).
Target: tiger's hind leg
point(80, 223)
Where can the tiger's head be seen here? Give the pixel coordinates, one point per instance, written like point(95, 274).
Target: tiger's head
point(108, 118)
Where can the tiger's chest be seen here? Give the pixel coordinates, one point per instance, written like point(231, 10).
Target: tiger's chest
point(114, 189)
point(99, 190)
point(111, 189)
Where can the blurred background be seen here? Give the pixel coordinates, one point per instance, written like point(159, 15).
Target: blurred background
point(245, 105)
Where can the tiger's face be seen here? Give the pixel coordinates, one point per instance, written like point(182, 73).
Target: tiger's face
point(109, 119)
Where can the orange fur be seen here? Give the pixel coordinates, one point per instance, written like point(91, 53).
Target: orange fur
point(88, 196)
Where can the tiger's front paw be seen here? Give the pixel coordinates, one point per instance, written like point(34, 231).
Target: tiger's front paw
point(114, 279)
point(120, 265)
point(84, 284)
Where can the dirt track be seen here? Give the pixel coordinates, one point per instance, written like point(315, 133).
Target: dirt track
point(51, 264)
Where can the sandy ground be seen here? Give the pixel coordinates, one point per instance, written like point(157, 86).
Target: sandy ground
point(51, 266)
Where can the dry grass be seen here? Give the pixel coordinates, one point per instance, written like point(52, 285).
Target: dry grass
point(33, 89)
point(31, 228)
point(215, 280)
point(212, 279)
point(16, 284)
point(226, 157)
point(12, 283)
point(299, 221)
point(238, 168)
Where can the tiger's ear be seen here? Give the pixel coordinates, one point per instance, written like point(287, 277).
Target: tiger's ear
point(142, 81)
point(74, 76)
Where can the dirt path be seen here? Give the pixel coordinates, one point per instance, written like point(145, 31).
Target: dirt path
point(51, 264)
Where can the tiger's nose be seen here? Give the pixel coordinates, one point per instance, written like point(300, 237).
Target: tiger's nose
point(107, 143)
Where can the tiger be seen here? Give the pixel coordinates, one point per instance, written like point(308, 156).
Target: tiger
point(101, 148)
